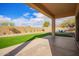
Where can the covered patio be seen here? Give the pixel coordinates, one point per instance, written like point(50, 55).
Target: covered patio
point(50, 45)
point(60, 10)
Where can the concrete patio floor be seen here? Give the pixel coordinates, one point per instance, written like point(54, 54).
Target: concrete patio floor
point(37, 47)
point(63, 46)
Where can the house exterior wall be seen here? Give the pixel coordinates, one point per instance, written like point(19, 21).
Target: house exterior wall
point(77, 25)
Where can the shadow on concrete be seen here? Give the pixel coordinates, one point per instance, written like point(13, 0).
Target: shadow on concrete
point(19, 48)
point(62, 48)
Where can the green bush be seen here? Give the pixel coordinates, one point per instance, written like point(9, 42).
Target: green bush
point(64, 34)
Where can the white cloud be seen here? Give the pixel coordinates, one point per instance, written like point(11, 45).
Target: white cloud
point(39, 15)
point(26, 14)
point(7, 18)
point(21, 21)
point(39, 20)
point(36, 22)
point(36, 19)
point(1, 16)
point(32, 9)
point(4, 19)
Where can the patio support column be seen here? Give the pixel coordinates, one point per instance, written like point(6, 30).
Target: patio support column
point(77, 25)
point(77, 29)
point(53, 28)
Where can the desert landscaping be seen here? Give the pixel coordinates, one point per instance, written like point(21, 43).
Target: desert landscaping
point(8, 30)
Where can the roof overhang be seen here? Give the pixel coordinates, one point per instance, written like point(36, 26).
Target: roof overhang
point(55, 10)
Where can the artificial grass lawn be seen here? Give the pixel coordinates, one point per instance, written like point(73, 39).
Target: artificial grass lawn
point(9, 41)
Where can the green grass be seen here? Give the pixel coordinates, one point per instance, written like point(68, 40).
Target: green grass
point(9, 41)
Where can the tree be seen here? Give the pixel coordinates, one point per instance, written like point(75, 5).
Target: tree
point(11, 23)
point(68, 23)
point(46, 24)
point(7, 24)
point(4, 24)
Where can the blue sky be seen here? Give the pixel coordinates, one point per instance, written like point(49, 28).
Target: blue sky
point(15, 10)
point(21, 15)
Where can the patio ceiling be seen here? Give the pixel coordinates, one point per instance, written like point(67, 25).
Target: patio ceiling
point(55, 10)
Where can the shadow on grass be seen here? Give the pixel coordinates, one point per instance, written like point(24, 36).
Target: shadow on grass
point(19, 48)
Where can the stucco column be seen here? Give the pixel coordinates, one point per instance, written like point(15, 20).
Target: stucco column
point(53, 29)
point(77, 27)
